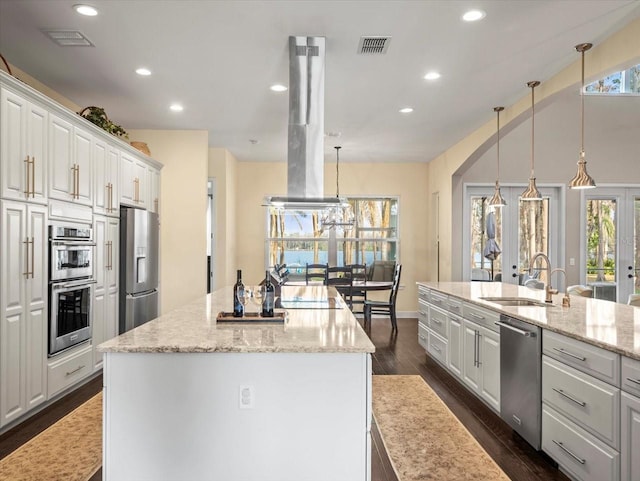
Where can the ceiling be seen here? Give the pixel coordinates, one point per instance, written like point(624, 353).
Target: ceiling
point(219, 58)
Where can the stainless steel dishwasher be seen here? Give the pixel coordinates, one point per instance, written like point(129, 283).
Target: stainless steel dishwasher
point(521, 378)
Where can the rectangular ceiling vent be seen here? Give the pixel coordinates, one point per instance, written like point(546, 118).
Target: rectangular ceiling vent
point(373, 45)
point(68, 38)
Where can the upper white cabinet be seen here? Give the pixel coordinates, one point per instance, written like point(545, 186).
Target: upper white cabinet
point(154, 190)
point(106, 161)
point(134, 181)
point(23, 308)
point(70, 162)
point(23, 148)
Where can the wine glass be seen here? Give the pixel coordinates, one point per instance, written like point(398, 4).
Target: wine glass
point(257, 295)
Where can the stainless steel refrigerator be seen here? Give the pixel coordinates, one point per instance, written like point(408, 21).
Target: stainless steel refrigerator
point(139, 232)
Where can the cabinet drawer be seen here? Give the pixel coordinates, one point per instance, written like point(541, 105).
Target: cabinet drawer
point(438, 299)
point(600, 363)
point(582, 455)
point(68, 370)
point(481, 316)
point(437, 348)
point(423, 336)
point(589, 402)
point(438, 321)
point(630, 375)
point(423, 313)
point(454, 306)
point(423, 294)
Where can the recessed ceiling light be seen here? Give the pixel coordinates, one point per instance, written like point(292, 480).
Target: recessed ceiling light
point(176, 108)
point(254, 141)
point(406, 110)
point(143, 71)
point(432, 76)
point(278, 88)
point(474, 15)
point(86, 10)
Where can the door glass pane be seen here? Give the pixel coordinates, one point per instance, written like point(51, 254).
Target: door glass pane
point(636, 243)
point(533, 236)
point(601, 247)
point(482, 266)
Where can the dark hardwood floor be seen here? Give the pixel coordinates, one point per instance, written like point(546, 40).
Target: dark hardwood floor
point(395, 354)
point(401, 354)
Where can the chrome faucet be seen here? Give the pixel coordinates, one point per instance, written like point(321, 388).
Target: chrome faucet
point(548, 289)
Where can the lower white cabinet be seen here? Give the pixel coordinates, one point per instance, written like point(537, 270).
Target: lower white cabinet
point(579, 453)
point(455, 345)
point(69, 367)
point(23, 308)
point(105, 298)
point(481, 362)
point(630, 438)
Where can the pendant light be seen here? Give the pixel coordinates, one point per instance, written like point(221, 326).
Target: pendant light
point(339, 215)
point(582, 179)
point(497, 200)
point(532, 192)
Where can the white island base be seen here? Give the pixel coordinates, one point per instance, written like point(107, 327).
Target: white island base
point(180, 416)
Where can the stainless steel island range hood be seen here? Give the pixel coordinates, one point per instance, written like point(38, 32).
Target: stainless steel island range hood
point(305, 162)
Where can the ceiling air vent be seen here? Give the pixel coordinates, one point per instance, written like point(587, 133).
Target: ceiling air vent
point(373, 45)
point(68, 38)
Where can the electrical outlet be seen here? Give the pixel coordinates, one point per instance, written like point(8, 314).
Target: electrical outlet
point(245, 397)
point(572, 261)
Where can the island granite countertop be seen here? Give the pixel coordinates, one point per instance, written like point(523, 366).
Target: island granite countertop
point(610, 325)
point(193, 328)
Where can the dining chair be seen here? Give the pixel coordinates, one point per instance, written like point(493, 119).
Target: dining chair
point(578, 290)
point(341, 278)
point(634, 300)
point(358, 296)
point(385, 307)
point(316, 272)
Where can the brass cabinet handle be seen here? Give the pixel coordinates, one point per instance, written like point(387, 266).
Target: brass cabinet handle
point(111, 209)
point(77, 181)
point(155, 205)
point(26, 256)
point(27, 163)
point(136, 182)
point(33, 177)
point(33, 257)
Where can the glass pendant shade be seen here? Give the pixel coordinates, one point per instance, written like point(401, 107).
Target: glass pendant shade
point(582, 180)
point(532, 192)
point(497, 200)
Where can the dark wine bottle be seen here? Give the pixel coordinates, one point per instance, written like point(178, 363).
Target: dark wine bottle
point(238, 296)
point(269, 298)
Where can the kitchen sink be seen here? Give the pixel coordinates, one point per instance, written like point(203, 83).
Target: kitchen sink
point(516, 301)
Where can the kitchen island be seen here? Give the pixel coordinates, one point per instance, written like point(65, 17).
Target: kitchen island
point(571, 388)
point(187, 397)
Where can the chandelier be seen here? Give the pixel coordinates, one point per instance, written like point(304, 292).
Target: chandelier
point(340, 215)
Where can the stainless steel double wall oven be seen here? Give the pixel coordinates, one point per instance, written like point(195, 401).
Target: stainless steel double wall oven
point(71, 281)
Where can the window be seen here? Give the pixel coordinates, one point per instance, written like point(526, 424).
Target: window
point(624, 82)
point(297, 237)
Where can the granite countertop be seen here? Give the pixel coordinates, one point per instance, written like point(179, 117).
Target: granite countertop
point(610, 325)
point(193, 328)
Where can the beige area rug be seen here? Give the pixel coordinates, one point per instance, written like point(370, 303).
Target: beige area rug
point(69, 450)
point(423, 438)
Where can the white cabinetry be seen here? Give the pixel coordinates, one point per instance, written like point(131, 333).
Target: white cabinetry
point(134, 179)
point(581, 407)
point(105, 300)
point(463, 338)
point(23, 307)
point(630, 420)
point(23, 148)
point(106, 160)
point(154, 190)
point(70, 162)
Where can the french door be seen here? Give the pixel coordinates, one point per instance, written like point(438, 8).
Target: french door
point(522, 228)
point(610, 242)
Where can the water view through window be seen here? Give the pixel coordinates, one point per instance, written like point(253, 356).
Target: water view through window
point(298, 237)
